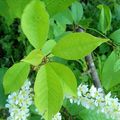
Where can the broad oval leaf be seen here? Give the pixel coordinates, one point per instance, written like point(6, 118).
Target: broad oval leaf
point(110, 74)
point(35, 57)
point(76, 45)
point(104, 19)
point(15, 77)
point(48, 92)
point(77, 11)
point(56, 6)
point(67, 78)
point(35, 23)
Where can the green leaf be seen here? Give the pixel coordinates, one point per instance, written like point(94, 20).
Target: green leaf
point(75, 46)
point(64, 17)
point(77, 11)
point(56, 6)
point(16, 7)
point(67, 78)
point(73, 109)
point(4, 10)
point(48, 46)
point(86, 114)
point(48, 92)
point(35, 23)
point(15, 77)
point(35, 117)
point(59, 29)
point(104, 19)
point(110, 76)
point(117, 11)
point(2, 95)
point(11, 9)
point(35, 57)
point(115, 36)
point(117, 65)
point(33, 110)
point(85, 23)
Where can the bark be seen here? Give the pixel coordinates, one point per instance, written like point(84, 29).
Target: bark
point(93, 71)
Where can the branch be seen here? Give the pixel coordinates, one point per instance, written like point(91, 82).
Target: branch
point(93, 71)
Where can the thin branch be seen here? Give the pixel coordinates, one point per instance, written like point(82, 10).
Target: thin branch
point(93, 71)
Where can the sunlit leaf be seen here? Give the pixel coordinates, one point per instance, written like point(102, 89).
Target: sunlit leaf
point(35, 57)
point(15, 77)
point(48, 92)
point(76, 45)
point(35, 23)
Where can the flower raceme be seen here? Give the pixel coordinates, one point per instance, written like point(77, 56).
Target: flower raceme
point(18, 102)
point(94, 98)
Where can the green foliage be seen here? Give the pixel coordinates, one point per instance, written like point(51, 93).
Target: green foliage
point(54, 83)
point(17, 8)
point(35, 118)
point(16, 74)
point(13, 45)
point(117, 65)
point(92, 115)
point(10, 10)
point(64, 17)
point(48, 82)
point(77, 12)
point(110, 73)
point(68, 81)
point(83, 43)
point(48, 46)
point(55, 6)
point(115, 36)
point(34, 113)
point(35, 57)
point(117, 11)
point(105, 18)
point(2, 95)
point(35, 23)
point(4, 10)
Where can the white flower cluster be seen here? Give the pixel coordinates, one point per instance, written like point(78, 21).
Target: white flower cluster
point(94, 98)
point(18, 102)
point(57, 117)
